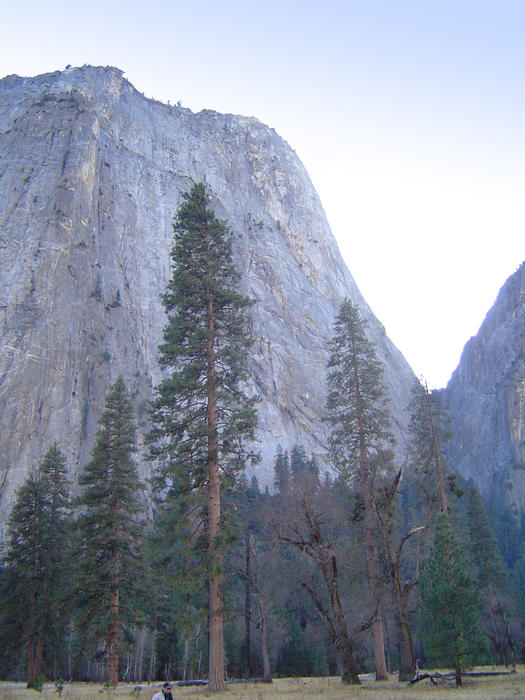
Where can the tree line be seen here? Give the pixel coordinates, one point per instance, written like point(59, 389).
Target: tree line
point(199, 573)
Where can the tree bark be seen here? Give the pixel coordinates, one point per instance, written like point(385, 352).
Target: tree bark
point(373, 583)
point(247, 605)
point(349, 673)
point(114, 627)
point(336, 624)
point(267, 671)
point(30, 630)
point(459, 678)
point(400, 593)
point(406, 648)
point(216, 670)
point(437, 459)
point(41, 626)
point(263, 616)
point(371, 557)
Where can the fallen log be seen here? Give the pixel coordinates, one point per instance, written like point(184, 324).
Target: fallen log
point(435, 677)
point(182, 684)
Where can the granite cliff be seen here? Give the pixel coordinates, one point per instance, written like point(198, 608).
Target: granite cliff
point(486, 401)
point(91, 174)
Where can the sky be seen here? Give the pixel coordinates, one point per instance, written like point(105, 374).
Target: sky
point(409, 117)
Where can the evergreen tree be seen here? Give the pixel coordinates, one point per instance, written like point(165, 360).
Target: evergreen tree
point(484, 551)
point(298, 462)
point(202, 415)
point(490, 577)
point(282, 471)
point(451, 610)
point(359, 421)
point(108, 528)
point(427, 437)
point(36, 568)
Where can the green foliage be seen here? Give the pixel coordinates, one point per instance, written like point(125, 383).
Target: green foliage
point(295, 656)
point(357, 408)
point(204, 307)
point(483, 546)
point(108, 528)
point(203, 420)
point(282, 471)
point(205, 348)
point(451, 603)
point(300, 465)
point(36, 568)
point(427, 437)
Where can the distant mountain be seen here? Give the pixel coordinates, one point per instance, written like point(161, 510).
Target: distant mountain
point(486, 401)
point(91, 175)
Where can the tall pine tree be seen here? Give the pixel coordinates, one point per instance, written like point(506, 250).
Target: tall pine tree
point(109, 533)
point(35, 576)
point(202, 415)
point(427, 437)
point(359, 421)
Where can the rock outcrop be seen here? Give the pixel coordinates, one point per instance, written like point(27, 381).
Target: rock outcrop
point(91, 174)
point(486, 401)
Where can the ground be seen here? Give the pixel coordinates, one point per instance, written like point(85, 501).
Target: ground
point(488, 688)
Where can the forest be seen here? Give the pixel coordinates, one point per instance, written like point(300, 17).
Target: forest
point(379, 564)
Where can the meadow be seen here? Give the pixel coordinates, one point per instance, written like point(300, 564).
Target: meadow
point(502, 687)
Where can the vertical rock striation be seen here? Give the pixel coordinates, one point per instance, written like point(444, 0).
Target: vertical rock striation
point(91, 175)
point(486, 400)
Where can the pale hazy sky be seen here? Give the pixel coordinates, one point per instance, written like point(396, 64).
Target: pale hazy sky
point(408, 115)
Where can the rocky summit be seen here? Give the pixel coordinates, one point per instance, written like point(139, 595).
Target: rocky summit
point(486, 401)
point(91, 174)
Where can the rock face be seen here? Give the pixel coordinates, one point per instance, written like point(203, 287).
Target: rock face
point(91, 175)
point(486, 400)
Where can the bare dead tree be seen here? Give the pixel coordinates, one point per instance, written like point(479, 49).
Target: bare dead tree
point(310, 540)
point(400, 591)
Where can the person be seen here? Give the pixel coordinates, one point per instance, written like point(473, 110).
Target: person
point(164, 694)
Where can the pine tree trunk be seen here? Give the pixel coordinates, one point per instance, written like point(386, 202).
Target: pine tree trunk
point(151, 670)
point(379, 645)
point(267, 671)
point(459, 677)
point(373, 582)
point(41, 627)
point(371, 557)
point(247, 606)
point(437, 459)
point(30, 632)
point(114, 625)
point(216, 670)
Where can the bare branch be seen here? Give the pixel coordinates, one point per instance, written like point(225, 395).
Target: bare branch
point(409, 534)
point(322, 612)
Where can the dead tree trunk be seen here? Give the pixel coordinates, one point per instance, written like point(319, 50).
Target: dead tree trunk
point(335, 623)
point(400, 592)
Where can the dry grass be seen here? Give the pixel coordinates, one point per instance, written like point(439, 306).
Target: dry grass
point(490, 688)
